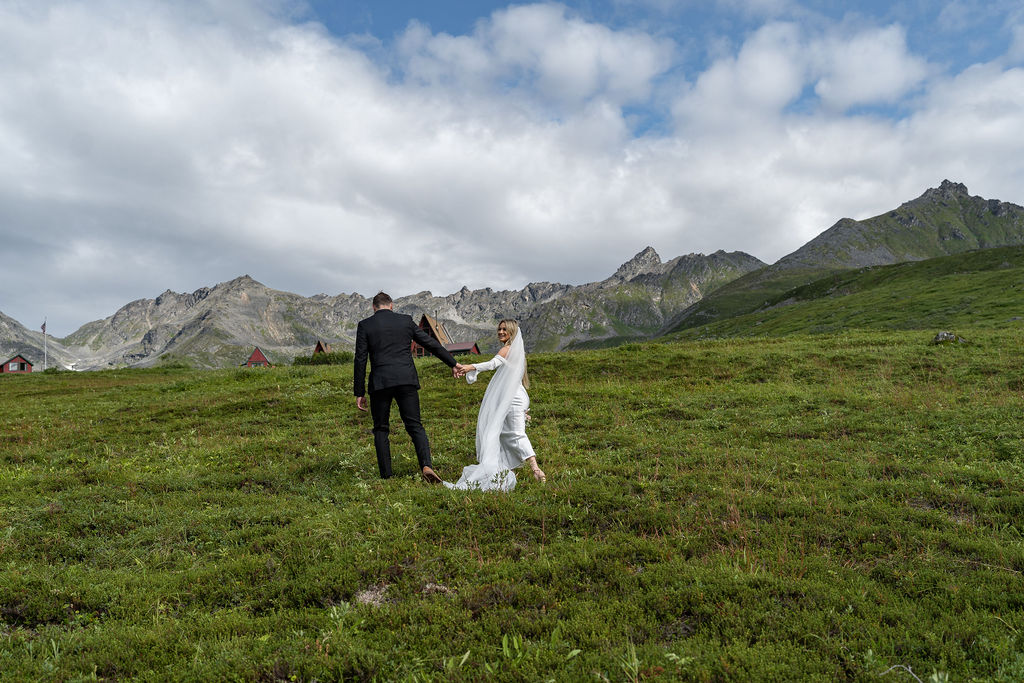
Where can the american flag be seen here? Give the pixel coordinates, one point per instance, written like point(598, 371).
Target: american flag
point(44, 327)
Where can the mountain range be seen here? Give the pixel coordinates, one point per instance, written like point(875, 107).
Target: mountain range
point(646, 297)
point(219, 326)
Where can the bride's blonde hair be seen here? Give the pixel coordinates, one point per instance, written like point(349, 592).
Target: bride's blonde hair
point(512, 327)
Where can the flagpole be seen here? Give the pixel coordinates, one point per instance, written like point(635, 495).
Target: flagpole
point(44, 343)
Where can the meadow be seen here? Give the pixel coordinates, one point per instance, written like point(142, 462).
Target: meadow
point(979, 288)
point(831, 507)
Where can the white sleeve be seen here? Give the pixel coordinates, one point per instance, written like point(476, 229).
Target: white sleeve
point(492, 364)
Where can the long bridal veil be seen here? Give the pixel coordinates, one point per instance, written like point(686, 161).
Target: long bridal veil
point(493, 469)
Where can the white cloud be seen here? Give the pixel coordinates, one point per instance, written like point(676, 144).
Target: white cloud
point(774, 66)
point(149, 145)
point(542, 51)
point(971, 124)
point(766, 75)
point(872, 67)
point(755, 160)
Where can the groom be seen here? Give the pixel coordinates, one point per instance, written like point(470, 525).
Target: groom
point(386, 337)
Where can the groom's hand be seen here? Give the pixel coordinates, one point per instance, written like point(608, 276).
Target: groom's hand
point(361, 403)
point(458, 370)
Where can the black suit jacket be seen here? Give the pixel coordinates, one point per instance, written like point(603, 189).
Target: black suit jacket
point(386, 337)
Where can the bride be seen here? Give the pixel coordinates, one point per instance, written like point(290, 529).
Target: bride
point(501, 441)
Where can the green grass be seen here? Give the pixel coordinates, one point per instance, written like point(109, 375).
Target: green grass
point(977, 289)
point(744, 295)
point(809, 507)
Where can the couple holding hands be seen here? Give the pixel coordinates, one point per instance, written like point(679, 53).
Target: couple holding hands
point(501, 442)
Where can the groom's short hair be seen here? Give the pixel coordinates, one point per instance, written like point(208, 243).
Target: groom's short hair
point(380, 300)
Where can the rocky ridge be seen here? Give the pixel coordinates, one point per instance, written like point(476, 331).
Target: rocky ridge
point(944, 220)
point(218, 326)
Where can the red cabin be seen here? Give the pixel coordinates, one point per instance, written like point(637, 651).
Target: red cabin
point(459, 348)
point(18, 365)
point(321, 347)
point(436, 329)
point(257, 360)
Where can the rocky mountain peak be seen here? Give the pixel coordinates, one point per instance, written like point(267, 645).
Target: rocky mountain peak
point(946, 191)
point(950, 186)
point(168, 294)
point(644, 262)
point(243, 281)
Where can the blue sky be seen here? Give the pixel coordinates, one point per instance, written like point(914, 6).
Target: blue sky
point(351, 146)
point(960, 33)
point(385, 20)
point(952, 34)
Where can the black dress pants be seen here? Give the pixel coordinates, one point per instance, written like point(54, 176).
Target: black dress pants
point(408, 399)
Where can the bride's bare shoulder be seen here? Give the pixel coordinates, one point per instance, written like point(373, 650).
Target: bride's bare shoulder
point(503, 351)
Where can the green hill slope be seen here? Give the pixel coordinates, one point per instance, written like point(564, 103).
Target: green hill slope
point(943, 221)
point(981, 288)
point(801, 508)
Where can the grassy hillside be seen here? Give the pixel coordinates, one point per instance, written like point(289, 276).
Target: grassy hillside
point(943, 221)
point(749, 293)
point(980, 288)
point(814, 508)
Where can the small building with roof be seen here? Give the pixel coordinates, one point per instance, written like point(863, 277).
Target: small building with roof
point(257, 359)
point(17, 365)
point(321, 347)
point(462, 348)
point(436, 329)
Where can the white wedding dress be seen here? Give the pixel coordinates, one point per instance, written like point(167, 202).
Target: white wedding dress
point(501, 441)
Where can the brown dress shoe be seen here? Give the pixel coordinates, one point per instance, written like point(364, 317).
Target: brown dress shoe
point(430, 477)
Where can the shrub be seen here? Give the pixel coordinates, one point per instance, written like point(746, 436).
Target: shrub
point(333, 358)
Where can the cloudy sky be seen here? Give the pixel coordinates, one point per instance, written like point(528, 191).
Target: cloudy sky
point(347, 146)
